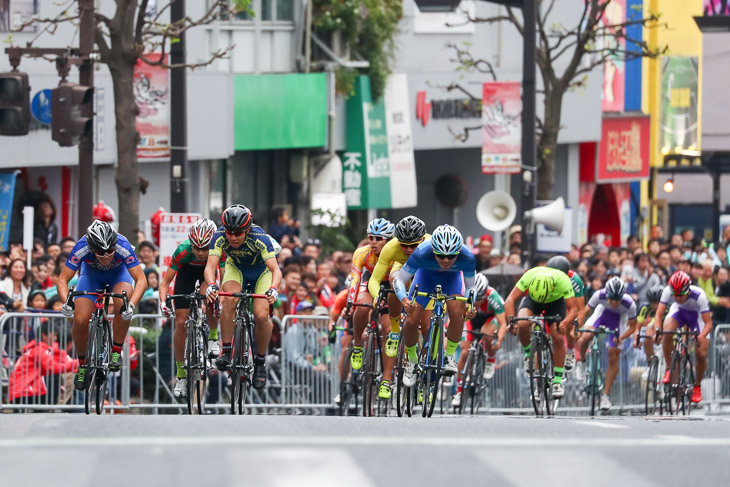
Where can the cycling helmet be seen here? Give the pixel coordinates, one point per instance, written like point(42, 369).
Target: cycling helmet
point(410, 230)
point(201, 233)
point(446, 240)
point(101, 237)
point(615, 288)
point(540, 287)
point(237, 218)
point(654, 294)
point(679, 282)
point(380, 227)
point(560, 263)
point(481, 283)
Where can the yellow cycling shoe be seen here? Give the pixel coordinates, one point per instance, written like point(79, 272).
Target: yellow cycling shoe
point(384, 392)
point(356, 358)
point(391, 345)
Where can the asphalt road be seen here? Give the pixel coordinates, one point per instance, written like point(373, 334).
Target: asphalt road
point(293, 451)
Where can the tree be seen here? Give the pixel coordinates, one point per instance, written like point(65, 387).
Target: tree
point(565, 56)
point(134, 32)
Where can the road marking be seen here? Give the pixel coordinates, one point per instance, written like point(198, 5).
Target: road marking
point(601, 424)
point(257, 441)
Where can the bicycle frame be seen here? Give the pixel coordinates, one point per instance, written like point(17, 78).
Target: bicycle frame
point(681, 366)
point(472, 378)
point(594, 377)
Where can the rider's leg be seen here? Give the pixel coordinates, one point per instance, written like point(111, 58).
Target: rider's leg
point(648, 341)
point(80, 330)
point(344, 343)
point(456, 310)
point(410, 333)
point(558, 351)
point(228, 310)
point(612, 371)
point(263, 328)
point(701, 355)
point(388, 362)
point(178, 340)
point(670, 325)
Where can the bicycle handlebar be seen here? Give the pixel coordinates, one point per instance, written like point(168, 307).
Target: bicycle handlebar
point(601, 330)
point(437, 296)
point(536, 319)
point(242, 295)
point(99, 293)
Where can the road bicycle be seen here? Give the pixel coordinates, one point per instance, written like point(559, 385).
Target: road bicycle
point(99, 347)
point(594, 375)
point(541, 369)
point(196, 349)
point(349, 379)
point(372, 363)
point(678, 392)
point(473, 384)
point(402, 394)
point(431, 363)
point(244, 348)
point(654, 389)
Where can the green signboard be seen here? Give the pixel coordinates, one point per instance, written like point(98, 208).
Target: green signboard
point(280, 111)
point(366, 164)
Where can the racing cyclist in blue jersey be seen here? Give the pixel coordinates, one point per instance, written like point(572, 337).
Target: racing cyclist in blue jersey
point(441, 261)
point(101, 257)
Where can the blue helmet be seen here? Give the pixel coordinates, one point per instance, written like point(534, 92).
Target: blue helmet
point(380, 227)
point(446, 240)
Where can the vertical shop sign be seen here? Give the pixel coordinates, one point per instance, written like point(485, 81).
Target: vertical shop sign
point(614, 67)
point(679, 117)
point(151, 92)
point(403, 191)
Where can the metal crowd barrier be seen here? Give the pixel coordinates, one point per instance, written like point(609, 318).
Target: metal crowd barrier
point(303, 373)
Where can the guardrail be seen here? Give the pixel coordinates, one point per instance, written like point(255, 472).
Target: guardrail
point(303, 372)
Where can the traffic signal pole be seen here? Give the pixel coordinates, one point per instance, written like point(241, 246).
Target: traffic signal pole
point(178, 117)
point(86, 144)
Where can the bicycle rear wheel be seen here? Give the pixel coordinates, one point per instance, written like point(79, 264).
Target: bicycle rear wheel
point(237, 371)
point(684, 389)
point(92, 360)
point(651, 396)
point(674, 402)
point(434, 376)
point(346, 391)
point(593, 381)
point(201, 373)
point(368, 371)
point(466, 382)
point(476, 385)
point(401, 391)
point(537, 377)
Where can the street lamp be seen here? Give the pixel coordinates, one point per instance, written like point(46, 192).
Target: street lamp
point(529, 153)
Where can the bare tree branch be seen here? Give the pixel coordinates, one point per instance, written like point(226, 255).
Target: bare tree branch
point(464, 58)
point(219, 54)
point(463, 136)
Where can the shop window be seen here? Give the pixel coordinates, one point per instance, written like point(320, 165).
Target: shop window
point(267, 11)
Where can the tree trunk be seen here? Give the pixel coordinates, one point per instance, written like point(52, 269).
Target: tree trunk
point(127, 178)
point(548, 143)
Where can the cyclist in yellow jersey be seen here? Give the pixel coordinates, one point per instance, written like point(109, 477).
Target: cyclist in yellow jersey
point(363, 262)
point(549, 292)
point(409, 233)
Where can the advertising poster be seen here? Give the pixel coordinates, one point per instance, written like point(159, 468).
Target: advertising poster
point(403, 191)
point(679, 120)
point(7, 191)
point(614, 68)
point(152, 93)
point(501, 128)
point(173, 230)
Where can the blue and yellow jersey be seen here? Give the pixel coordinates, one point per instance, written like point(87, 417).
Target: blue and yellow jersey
point(255, 250)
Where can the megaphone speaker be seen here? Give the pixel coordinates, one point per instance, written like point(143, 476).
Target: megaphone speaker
point(496, 210)
point(552, 215)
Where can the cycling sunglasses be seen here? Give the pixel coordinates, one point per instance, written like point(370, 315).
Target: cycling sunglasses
point(376, 238)
point(106, 253)
point(235, 234)
point(410, 246)
point(446, 257)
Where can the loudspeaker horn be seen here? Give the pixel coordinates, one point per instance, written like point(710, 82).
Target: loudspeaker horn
point(552, 215)
point(496, 211)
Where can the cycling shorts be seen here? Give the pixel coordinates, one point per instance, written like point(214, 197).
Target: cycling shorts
point(612, 321)
point(557, 307)
point(259, 278)
point(91, 280)
point(691, 318)
point(427, 280)
point(185, 280)
point(468, 327)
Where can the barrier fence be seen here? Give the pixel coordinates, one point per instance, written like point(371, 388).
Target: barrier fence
point(303, 372)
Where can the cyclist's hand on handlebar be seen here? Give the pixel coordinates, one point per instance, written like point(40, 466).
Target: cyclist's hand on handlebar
point(212, 292)
point(128, 312)
point(471, 312)
point(67, 310)
point(272, 295)
point(408, 306)
point(166, 312)
point(496, 345)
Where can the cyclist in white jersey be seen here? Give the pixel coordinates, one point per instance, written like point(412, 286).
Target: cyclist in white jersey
point(690, 308)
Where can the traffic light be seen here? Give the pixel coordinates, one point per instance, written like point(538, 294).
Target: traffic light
point(14, 103)
point(72, 113)
point(437, 5)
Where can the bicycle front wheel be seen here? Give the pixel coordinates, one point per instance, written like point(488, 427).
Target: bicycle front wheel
point(593, 380)
point(401, 391)
point(346, 391)
point(201, 373)
point(466, 381)
point(190, 361)
point(237, 371)
point(92, 359)
point(476, 383)
point(651, 396)
point(370, 384)
point(433, 377)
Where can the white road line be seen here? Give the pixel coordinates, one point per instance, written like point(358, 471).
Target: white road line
point(602, 424)
point(258, 441)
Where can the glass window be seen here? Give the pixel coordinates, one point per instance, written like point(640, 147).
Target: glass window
point(266, 10)
point(285, 10)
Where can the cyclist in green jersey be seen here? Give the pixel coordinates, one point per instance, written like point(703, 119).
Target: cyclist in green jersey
point(562, 264)
point(188, 264)
point(546, 291)
point(646, 320)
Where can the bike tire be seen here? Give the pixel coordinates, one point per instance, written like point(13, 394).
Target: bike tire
point(236, 369)
point(536, 386)
point(202, 375)
point(650, 394)
point(476, 386)
point(690, 383)
point(674, 402)
point(436, 374)
point(401, 391)
point(466, 382)
point(368, 371)
point(246, 375)
point(548, 369)
point(190, 347)
point(593, 366)
point(686, 381)
point(91, 364)
point(345, 389)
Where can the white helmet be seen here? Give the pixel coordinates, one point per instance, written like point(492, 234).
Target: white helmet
point(481, 283)
point(446, 240)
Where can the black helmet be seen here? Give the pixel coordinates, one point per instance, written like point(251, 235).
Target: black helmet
point(237, 218)
point(410, 230)
point(654, 294)
point(615, 288)
point(101, 237)
point(560, 263)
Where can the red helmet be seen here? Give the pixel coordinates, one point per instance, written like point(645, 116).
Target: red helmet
point(103, 213)
point(680, 282)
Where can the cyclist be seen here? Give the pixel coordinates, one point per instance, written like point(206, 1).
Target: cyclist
point(549, 292)
point(563, 264)
point(445, 261)
point(188, 264)
point(646, 319)
point(250, 259)
point(408, 234)
point(690, 308)
point(489, 319)
point(612, 308)
point(364, 260)
point(101, 256)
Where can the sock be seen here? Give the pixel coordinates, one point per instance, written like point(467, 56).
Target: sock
point(259, 359)
point(491, 358)
point(395, 324)
point(451, 347)
point(82, 360)
point(213, 334)
point(571, 350)
point(558, 379)
point(227, 348)
point(458, 389)
point(527, 349)
point(117, 347)
point(412, 354)
point(181, 373)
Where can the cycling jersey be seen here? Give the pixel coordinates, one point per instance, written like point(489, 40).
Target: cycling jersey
point(246, 264)
point(627, 306)
point(611, 318)
point(184, 256)
point(492, 306)
point(389, 257)
point(563, 285)
point(646, 313)
point(363, 263)
point(422, 264)
point(690, 312)
point(577, 283)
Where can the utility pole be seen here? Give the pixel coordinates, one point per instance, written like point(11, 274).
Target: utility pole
point(178, 117)
point(529, 153)
point(86, 143)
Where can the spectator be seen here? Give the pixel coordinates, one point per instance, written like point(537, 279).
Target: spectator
point(151, 297)
point(704, 281)
point(67, 245)
point(633, 243)
point(695, 272)
point(300, 343)
point(292, 243)
point(684, 265)
point(54, 304)
point(323, 289)
point(280, 225)
point(342, 270)
point(39, 249)
point(515, 235)
point(495, 258)
point(722, 291)
point(644, 277)
point(652, 249)
point(308, 264)
point(283, 256)
point(514, 259)
point(37, 300)
point(312, 247)
point(17, 283)
point(146, 255)
point(40, 358)
point(45, 227)
point(664, 268)
point(484, 249)
point(41, 277)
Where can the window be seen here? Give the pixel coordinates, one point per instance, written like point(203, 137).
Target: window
point(267, 11)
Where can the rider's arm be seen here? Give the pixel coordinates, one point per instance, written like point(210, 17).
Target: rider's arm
point(381, 268)
point(509, 304)
point(140, 284)
point(62, 284)
point(165, 283)
point(629, 330)
point(659, 316)
point(582, 310)
point(355, 275)
point(399, 283)
point(273, 267)
point(707, 329)
point(211, 268)
point(571, 311)
point(502, 331)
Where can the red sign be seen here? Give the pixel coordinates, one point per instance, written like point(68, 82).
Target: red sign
point(624, 151)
